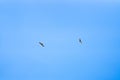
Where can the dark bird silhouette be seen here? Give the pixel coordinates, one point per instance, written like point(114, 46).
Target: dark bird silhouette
point(80, 40)
point(41, 44)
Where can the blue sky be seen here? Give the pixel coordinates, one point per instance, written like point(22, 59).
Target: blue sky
point(59, 25)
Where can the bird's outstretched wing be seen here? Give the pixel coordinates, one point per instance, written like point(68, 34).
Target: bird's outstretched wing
point(80, 40)
point(41, 44)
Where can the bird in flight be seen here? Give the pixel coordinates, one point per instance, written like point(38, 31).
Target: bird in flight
point(80, 40)
point(41, 44)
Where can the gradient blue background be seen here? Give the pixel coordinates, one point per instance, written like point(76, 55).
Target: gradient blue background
point(59, 25)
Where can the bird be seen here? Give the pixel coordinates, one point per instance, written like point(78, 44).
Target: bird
point(80, 40)
point(41, 44)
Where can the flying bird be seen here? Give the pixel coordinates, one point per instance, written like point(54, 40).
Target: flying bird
point(41, 44)
point(80, 40)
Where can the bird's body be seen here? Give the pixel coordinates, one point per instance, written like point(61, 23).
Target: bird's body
point(80, 40)
point(41, 44)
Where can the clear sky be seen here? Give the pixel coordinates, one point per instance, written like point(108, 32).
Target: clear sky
point(59, 25)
